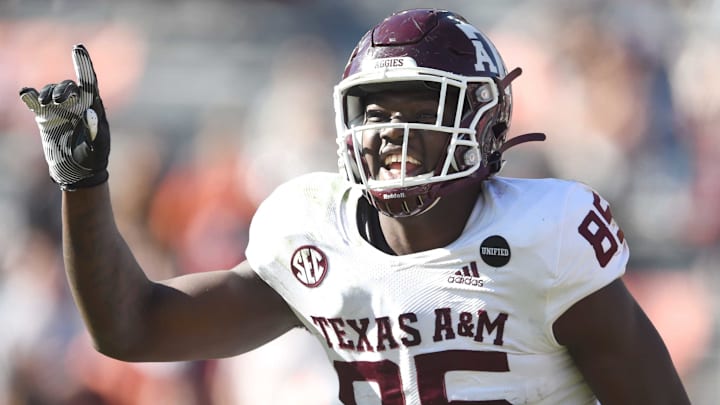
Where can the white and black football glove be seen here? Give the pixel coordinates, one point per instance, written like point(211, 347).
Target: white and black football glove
point(73, 127)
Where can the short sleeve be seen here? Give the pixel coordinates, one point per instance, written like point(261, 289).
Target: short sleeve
point(592, 250)
point(273, 223)
point(258, 251)
point(297, 212)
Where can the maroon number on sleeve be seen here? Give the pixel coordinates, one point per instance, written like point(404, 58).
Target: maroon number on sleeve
point(595, 228)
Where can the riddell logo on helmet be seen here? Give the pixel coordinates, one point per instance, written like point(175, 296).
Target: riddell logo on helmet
point(392, 196)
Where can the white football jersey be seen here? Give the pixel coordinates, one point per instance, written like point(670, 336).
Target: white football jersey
point(471, 321)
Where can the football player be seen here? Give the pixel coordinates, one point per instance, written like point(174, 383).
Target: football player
point(428, 278)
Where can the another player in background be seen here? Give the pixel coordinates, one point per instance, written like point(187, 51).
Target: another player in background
point(427, 278)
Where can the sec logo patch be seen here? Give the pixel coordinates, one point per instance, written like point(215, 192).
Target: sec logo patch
point(309, 265)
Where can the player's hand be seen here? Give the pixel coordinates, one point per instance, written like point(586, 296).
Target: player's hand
point(73, 127)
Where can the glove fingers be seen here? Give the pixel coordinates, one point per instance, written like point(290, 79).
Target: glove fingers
point(85, 74)
point(45, 96)
point(29, 96)
point(65, 90)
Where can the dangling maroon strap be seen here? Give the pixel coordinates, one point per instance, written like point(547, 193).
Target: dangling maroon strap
point(534, 136)
point(509, 78)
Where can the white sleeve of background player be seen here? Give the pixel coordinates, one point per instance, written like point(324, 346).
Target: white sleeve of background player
point(592, 251)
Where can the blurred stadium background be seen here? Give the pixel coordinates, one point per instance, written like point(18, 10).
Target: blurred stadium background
point(213, 103)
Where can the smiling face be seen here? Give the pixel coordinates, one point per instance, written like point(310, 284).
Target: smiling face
point(382, 148)
point(407, 142)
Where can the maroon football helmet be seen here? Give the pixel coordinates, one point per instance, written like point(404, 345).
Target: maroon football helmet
point(435, 49)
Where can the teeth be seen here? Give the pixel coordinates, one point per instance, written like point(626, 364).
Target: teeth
point(390, 159)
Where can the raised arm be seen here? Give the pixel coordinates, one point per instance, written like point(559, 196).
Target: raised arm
point(619, 351)
point(203, 315)
point(130, 317)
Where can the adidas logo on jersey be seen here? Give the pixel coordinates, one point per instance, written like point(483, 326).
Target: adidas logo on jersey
point(468, 276)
